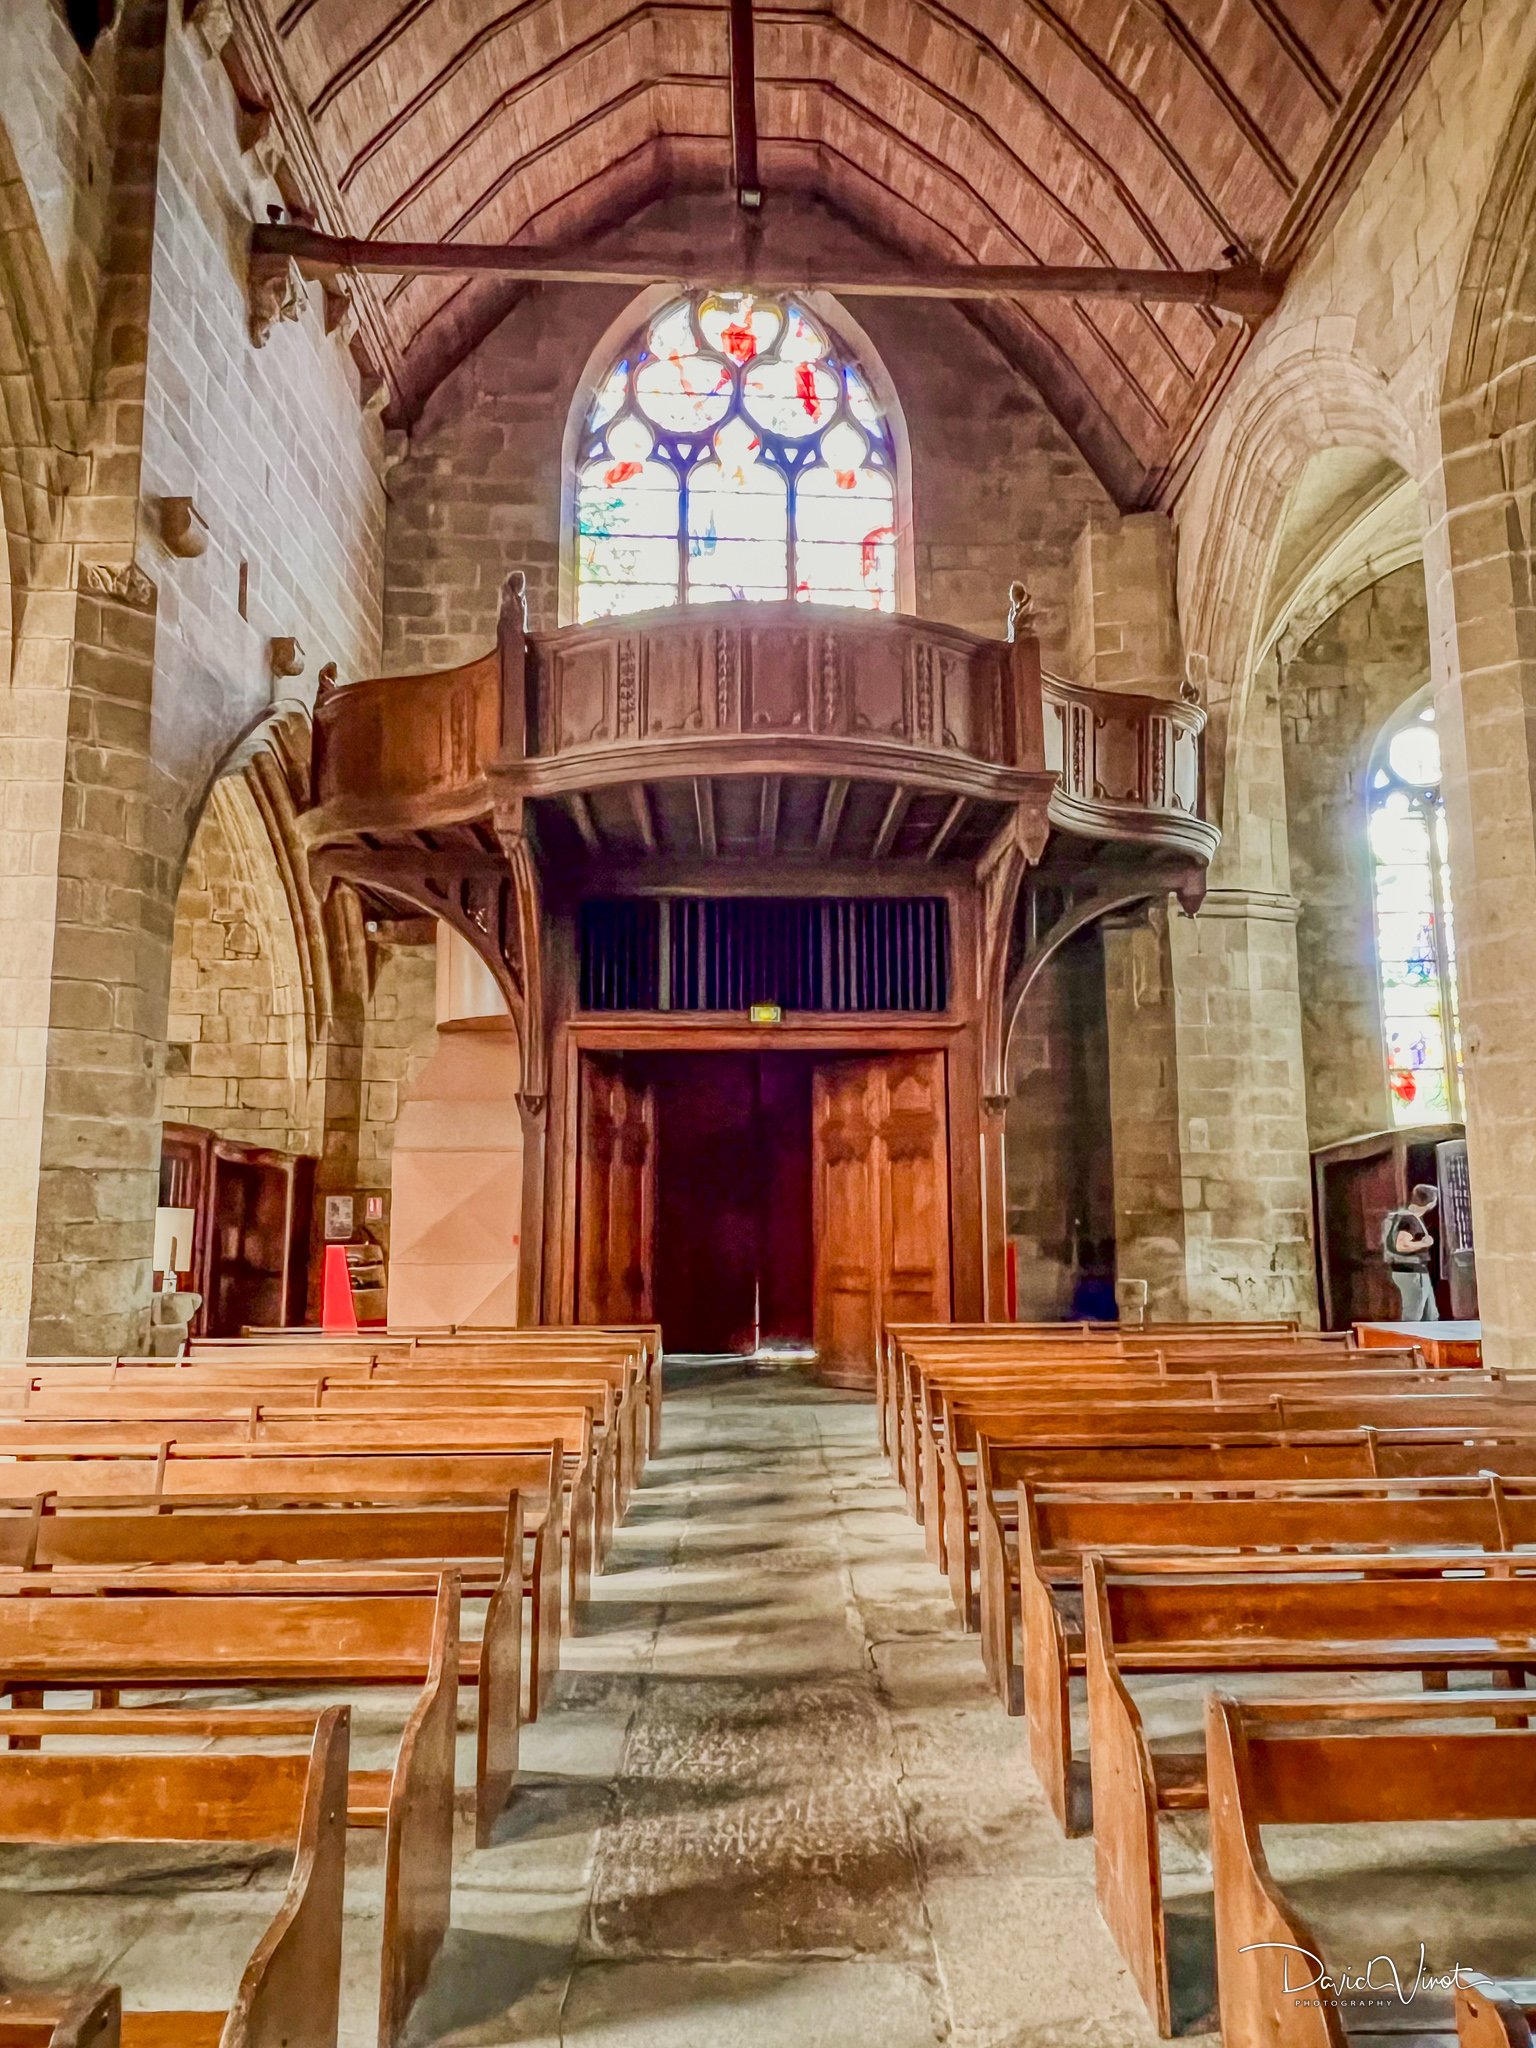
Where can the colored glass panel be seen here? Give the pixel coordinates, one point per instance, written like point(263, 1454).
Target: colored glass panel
point(1414, 939)
point(734, 452)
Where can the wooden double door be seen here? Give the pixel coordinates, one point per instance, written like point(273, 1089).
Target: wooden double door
point(745, 1198)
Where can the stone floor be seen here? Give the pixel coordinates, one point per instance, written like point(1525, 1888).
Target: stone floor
point(775, 1803)
point(772, 1806)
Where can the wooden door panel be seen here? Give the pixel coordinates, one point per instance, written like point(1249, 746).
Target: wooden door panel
point(881, 1180)
point(845, 1214)
point(616, 1196)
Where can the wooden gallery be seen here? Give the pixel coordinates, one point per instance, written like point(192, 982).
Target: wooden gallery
point(764, 887)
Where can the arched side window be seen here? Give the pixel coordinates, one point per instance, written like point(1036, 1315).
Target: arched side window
point(735, 450)
point(1415, 935)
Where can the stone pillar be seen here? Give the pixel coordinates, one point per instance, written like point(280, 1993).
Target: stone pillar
point(1150, 1238)
point(1242, 1109)
point(1207, 1090)
point(1484, 654)
point(118, 862)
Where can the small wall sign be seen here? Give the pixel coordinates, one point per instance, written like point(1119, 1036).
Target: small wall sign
point(766, 1013)
point(338, 1217)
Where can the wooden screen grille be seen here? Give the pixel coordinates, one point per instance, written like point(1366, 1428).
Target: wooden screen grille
point(849, 953)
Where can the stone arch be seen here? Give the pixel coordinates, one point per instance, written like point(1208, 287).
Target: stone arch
point(240, 1046)
point(1298, 400)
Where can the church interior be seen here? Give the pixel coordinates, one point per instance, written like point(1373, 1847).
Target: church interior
point(767, 1001)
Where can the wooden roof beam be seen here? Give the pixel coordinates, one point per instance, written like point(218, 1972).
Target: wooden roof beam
point(831, 815)
point(895, 815)
point(946, 831)
point(704, 806)
point(749, 191)
point(1243, 290)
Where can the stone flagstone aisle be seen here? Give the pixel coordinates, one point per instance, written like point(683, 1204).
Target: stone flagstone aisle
point(775, 1802)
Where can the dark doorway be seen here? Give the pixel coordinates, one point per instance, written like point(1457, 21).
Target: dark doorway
point(733, 1198)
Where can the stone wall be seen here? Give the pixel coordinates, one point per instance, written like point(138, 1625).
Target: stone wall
point(1336, 693)
point(1060, 1160)
point(399, 1038)
point(130, 377)
point(998, 489)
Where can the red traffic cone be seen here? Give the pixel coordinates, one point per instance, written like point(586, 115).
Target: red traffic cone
point(336, 1309)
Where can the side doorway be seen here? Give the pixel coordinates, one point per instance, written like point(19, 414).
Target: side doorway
point(880, 1204)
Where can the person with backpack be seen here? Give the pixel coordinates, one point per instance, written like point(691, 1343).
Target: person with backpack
point(1407, 1246)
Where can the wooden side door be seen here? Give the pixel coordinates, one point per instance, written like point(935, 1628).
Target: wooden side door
point(616, 1195)
point(880, 1203)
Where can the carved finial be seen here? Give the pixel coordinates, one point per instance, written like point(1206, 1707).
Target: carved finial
point(1021, 610)
point(514, 601)
point(325, 682)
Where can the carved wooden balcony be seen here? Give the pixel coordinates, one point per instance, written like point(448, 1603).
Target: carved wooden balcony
point(753, 731)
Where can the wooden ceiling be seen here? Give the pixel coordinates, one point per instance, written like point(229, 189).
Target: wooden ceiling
point(1178, 133)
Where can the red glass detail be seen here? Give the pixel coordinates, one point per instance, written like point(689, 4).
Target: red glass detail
point(845, 479)
point(1402, 1083)
point(868, 549)
point(739, 342)
point(805, 387)
point(620, 473)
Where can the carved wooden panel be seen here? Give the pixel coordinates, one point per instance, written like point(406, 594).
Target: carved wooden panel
point(581, 707)
point(880, 1167)
point(679, 681)
point(616, 1195)
point(875, 681)
point(399, 736)
point(1117, 751)
point(776, 687)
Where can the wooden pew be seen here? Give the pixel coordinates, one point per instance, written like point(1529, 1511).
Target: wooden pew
point(634, 1355)
point(1174, 1371)
point(91, 2017)
point(421, 1418)
point(485, 1545)
point(289, 1994)
point(1030, 1589)
point(1327, 1762)
point(1277, 1408)
point(959, 1486)
point(1377, 1613)
point(109, 1458)
point(1495, 2015)
point(951, 1408)
point(216, 1631)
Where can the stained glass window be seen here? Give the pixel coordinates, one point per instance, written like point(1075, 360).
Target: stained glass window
point(1415, 934)
point(735, 451)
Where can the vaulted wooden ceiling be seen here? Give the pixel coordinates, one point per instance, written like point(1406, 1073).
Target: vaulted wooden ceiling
point(1157, 133)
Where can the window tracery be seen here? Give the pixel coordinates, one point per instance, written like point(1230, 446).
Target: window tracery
point(735, 450)
point(1415, 929)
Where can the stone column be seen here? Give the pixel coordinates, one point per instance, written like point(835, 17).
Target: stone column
point(1150, 1237)
point(1244, 1160)
point(118, 862)
point(122, 832)
point(1483, 621)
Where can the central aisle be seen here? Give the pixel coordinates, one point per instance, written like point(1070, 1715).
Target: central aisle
point(775, 1806)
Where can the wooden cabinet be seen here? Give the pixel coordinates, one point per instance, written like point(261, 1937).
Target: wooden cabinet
point(251, 1233)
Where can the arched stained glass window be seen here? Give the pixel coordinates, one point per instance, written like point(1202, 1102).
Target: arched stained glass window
point(1415, 935)
point(735, 450)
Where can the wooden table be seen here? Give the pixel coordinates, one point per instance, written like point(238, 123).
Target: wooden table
point(1443, 1343)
